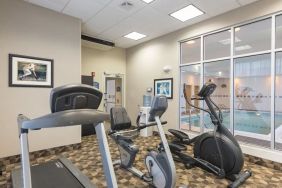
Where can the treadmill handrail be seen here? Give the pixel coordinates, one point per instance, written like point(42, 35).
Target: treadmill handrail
point(64, 119)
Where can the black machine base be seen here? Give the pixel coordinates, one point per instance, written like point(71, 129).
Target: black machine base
point(178, 148)
point(239, 179)
point(60, 173)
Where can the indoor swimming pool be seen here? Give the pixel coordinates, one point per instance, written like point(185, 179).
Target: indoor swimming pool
point(245, 121)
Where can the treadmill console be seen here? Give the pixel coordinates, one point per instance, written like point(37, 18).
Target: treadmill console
point(207, 89)
point(78, 96)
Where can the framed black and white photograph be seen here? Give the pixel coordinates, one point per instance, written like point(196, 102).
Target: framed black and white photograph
point(26, 71)
point(164, 87)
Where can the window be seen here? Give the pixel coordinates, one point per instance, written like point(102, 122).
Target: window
point(217, 45)
point(253, 37)
point(191, 51)
point(252, 92)
point(219, 73)
point(278, 102)
point(190, 117)
point(279, 31)
point(246, 75)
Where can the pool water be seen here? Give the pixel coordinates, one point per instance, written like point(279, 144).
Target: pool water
point(247, 121)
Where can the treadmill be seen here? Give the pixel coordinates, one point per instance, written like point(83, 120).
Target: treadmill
point(70, 105)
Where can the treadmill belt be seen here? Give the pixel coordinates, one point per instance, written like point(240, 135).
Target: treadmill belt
point(55, 175)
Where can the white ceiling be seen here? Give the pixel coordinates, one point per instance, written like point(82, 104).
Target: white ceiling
point(105, 19)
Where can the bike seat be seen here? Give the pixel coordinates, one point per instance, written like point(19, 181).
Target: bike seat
point(177, 147)
point(179, 134)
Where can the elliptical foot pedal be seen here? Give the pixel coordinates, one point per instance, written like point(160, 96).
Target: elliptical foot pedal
point(179, 134)
point(177, 147)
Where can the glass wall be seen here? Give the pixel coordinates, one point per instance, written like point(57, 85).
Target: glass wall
point(190, 117)
point(252, 92)
point(191, 51)
point(279, 31)
point(217, 45)
point(278, 102)
point(253, 37)
point(246, 66)
point(219, 73)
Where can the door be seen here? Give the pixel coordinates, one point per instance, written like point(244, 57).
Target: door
point(113, 95)
point(188, 94)
point(196, 102)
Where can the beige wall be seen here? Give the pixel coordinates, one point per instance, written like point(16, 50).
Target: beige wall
point(30, 30)
point(100, 61)
point(145, 61)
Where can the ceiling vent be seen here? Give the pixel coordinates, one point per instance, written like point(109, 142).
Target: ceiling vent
point(126, 5)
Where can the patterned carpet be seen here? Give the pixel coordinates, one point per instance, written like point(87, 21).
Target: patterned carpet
point(88, 160)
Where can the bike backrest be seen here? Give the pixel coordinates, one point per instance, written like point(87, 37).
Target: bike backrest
point(158, 107)
point(76, 96)
point(119, 119)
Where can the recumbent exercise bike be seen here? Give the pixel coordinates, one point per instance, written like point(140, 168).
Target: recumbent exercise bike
point(160, 164)
point(216, 151)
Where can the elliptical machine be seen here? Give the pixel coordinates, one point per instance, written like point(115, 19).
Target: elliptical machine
point(216, 151)
point(160, 164)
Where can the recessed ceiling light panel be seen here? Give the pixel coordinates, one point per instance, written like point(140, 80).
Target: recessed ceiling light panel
point(236, 29)
point(244, 47)
point(148, 1)
point(135, 36)
point(187, 13)
point(228, 41)
point(190, 42)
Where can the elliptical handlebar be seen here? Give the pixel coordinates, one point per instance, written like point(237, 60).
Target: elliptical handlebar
point(220, 116)
point(138, 128)
point(194, 98)
point(211, 112)
point(150, 124)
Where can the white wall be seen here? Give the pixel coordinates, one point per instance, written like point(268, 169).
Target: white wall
point(30, 30)
point(145, 61)
point(100, 61)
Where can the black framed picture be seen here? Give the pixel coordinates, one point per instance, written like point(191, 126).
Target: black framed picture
point(26, 71)
point(164, 87)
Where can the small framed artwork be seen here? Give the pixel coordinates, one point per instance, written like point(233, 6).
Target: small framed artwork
point(164, 87)
point(26, 71)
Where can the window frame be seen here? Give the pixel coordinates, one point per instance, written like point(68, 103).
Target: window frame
point(232, 57)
